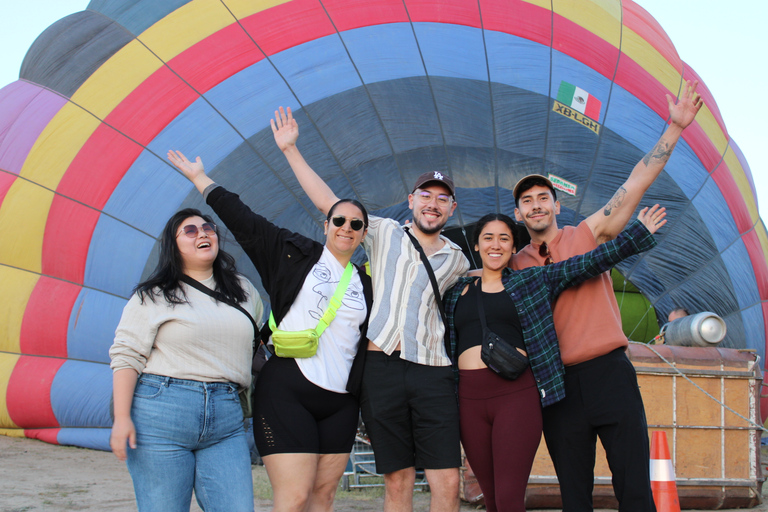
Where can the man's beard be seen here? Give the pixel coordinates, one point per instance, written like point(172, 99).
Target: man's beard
point(428, 230)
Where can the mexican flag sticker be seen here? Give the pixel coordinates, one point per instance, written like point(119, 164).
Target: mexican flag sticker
point(579, 99)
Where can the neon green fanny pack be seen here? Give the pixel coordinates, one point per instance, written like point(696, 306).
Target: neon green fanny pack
point(304, 343)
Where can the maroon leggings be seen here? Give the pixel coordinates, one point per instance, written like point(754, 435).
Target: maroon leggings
point(500, 431)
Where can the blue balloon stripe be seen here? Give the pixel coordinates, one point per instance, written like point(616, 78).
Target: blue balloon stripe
point(754, 329)
point(452, 50)
point(92, 323)
point(116, 257)
point(248, 100)
point(82, 409)
point(249, 79)
point(518, 62)
point(317, 69)
point(93, 438)
point(150, 192)
point(632, 119)
point(687, 170)
point(384, 52)
point(714, 211)
point(742, 276)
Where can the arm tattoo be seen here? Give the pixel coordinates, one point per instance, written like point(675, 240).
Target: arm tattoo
point(659, 154)
point(615, 201)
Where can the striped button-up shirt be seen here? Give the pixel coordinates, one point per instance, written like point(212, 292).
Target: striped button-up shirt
point(533, 291)
point(405, 309)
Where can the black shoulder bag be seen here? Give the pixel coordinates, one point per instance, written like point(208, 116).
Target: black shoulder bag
point(435, 288)
point(500, 356)
point(258, 351)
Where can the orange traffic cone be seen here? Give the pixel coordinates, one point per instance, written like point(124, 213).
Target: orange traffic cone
point(663, 475)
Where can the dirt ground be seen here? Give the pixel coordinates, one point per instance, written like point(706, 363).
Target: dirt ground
point(36, 476)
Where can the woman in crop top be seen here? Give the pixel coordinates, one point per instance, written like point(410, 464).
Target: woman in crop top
point(501, 419)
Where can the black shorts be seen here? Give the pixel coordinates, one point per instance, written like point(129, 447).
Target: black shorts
point(292, 415)
point(411, 413)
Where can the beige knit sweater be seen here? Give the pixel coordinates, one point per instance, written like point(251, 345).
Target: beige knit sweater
point(203, 340)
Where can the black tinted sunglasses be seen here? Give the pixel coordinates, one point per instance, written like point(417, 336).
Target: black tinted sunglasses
point(340, 220)
point(544, 252)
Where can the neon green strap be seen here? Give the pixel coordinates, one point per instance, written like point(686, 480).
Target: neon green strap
point(334, 303)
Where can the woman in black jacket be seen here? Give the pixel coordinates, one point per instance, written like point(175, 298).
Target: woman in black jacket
point(306, 408)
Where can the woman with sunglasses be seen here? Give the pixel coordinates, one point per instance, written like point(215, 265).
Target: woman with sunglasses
point(500, 419)
point(179, 359)
point(306, 408)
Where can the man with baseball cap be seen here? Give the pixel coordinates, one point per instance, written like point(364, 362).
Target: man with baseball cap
point(408, 401)
point(602, 398)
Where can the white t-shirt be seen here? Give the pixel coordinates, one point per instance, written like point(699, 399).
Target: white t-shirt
point(329, 367)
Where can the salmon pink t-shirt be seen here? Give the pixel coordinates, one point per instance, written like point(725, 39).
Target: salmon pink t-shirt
point(587, 318)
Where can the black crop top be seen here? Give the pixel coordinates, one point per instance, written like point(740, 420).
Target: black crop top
point(501, 317)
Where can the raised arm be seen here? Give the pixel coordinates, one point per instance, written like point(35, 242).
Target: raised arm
point(638, 237)
point(258, 237)
point(286, 131)
point(608, 222)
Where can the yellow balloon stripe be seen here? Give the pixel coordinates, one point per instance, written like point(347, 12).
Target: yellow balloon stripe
point(186, 26)
point(58, 145)
point(762, 235)
point(7, 363)
point(12, 432)
point(16, 288)
point(647, 57)
point(544, 4)
point(737, 171)
point(709, 124)
point(116, 79)
point(244, 8)
point(166, 39)
point(601, 17)
point(23, 215)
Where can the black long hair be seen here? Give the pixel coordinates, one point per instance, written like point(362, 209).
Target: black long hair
point(166, 277)
point(520, 236)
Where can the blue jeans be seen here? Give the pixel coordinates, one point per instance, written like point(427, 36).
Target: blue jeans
point(189, 434)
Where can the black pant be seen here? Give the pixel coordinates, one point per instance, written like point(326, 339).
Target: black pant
point(601, 399)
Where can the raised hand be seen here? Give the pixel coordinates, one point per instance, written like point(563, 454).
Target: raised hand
point(684, 111)
point(653, 218)
point(194, 171)
point(285, 129)
point(191, 170)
